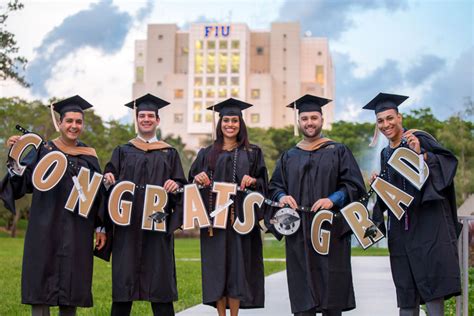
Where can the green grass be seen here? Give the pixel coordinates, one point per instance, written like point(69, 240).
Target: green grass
point(188, 273)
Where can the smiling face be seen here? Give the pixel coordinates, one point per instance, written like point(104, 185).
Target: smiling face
point(311, 123)
point(71, 126)
point(389, 122)
point(147, 122)
point(230, 126)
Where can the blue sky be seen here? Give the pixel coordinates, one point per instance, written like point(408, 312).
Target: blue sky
point(424, 49)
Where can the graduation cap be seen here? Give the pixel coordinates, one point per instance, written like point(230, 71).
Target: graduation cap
point(286, 219)
point(371, 231)
point(229, 107)
point(383, 102)
point(158, 217)
point(72, 104)
point(307, 103)
point(147, 102)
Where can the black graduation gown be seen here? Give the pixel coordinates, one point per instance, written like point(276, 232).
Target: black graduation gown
point(424, 257)
point(232, 264)
point(143, 263)
point(58, 252)
point(318, 282)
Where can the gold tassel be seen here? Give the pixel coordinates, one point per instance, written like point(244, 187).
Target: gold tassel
point(375, 139)
point(213, 124)
point(295, 130)
point(135, 122)
point(210, 231)
point(53, 117)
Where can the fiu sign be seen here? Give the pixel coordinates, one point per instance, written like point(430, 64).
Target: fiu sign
point(216, 31)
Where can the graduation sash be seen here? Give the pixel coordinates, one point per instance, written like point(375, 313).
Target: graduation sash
point(314, 145)
point(73, 150)
point(144, 146)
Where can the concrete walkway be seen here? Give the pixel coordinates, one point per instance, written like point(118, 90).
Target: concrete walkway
point(373, 286)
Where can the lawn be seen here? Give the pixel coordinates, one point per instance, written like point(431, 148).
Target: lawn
point(188, 272)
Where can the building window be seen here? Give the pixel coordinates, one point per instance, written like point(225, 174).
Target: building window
point(222, 44)
point(234, 92)
point(160, 59)
point(160, 36)
point(211, 45)
point(198, 63)
point(208, 117)
point(139, 74)
point(197, 93)
point(198, 44)
point(320, 53)
point(222, 93)
point(235, 44)
point(178, 93)
point(255, 118)
point(284, 68)
point(260, 50)
point(158, 83)
point(211, 63)
point(223, 58)
point(320, 74)
point(197, 107)
point(197, 117)
point(234, 81)
point(197, 81)
point(255, 93)
point(223, 81)
point(184, 50)
point(210, 81)
point(284, 49)
point(178, 117)
point(284, 35)
point(140, 54)
point(235, 62)
point(210, 93)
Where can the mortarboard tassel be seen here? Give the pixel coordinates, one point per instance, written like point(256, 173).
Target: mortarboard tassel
point(53, 117)
point(295, 130)
point(135, 123)
point(213, 124)
point(375, 139)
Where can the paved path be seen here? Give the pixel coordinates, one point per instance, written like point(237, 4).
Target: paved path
point(373, 286)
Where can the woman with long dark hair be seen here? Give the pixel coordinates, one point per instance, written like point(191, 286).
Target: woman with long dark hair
point(232, 264)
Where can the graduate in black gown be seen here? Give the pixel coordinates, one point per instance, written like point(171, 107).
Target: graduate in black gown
point(143, 263)
point(59, 243)
point(423, 244)
point(232, 264)
point(322, 174)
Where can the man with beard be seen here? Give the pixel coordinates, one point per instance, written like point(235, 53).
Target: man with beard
point(322, 174)
point(423, 244)
point(58, 252)
point(143, 266)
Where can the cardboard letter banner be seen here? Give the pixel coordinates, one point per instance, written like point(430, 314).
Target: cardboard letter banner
point(358, 219)
point(120, 211)
point(194, 208)
point(17, 150)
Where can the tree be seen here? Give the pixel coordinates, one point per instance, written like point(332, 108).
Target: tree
point(10, 63)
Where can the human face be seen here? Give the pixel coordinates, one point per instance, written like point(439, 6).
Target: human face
point(389, 122)
point(71, 125)
point(147, 122)
point(230, 126)
point(311, 123)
